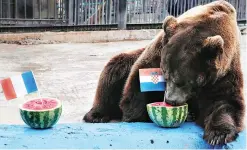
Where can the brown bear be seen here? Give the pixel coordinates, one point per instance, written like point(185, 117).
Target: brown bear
point(199, 54)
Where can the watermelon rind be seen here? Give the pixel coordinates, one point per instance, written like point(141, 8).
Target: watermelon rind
point(41, 119)
point(167, 116)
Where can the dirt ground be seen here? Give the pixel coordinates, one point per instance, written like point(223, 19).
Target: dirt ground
point(68, 72)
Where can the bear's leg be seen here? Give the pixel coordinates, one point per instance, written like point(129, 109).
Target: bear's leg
point(110, 87)
point(224, 122)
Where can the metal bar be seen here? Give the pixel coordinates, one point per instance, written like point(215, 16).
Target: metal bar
point(122, 14)
point(70, 12)
point(96, 14)
point(164, 10)
point(244, 16)
point(128, 11)
point(89, 12)
point(138, 11)
point(1, 8)
point(21, 19)
point(107, 11)
point(60, 9)
point(153, 11)
point(8, 9)
point(40, 3)
point(86, 12)
point(114, 13)
point(134, 13)
point(48, 9)
point(103, 12)
point(178, 7)
point(25, 8)
point(83, 12)
point(158, 12)
point(150, 11)
point(239, 7)
point(143, 11)
point(63, 13)
point(55, 9)
point(33, 9)
point(76, 16)
point(110, 18)
point(78, 13)
point(16, 6)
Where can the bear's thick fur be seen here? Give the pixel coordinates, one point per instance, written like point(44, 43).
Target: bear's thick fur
point(199, 54)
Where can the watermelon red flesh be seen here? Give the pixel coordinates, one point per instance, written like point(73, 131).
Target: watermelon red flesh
point(39, 114)
point(40, 104)
point(161, 104)
point(167, 116)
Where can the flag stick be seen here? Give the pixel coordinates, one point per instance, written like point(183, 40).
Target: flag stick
point(38, 89)
point(40, 97)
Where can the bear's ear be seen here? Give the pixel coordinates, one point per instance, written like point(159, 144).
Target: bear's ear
point(169, 25)
point(212, 47)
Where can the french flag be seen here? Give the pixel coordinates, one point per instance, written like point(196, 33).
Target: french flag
point(151, 79)
point(19, 85)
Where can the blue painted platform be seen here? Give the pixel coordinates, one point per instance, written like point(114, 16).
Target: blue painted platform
point(110, 136)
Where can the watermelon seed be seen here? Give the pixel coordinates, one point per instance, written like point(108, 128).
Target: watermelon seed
point(110, 145)
point(5, 144)
point(167, 141)
point(152, 141)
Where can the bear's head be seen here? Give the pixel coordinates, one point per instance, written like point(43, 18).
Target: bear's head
point(195, 49)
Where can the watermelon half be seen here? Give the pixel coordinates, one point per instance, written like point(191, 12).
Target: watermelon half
point(41, 114)
point(165, 115)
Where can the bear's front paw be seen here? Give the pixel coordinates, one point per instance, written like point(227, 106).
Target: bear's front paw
point(126, 109)
point(220, 136)
point(96, 116)
point(134, 108)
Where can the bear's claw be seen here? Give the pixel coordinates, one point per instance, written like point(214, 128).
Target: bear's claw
point(215, 137)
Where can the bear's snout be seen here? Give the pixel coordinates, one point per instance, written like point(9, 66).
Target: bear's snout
point(175, 98)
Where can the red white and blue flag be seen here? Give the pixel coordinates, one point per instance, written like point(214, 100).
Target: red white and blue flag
point(151, 80)
point(19, 85)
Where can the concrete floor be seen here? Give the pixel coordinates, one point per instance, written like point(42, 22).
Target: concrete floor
point(68, 72)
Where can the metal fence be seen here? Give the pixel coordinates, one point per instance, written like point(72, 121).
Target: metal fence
point(33, 12)
point(38, 13)
point(154, 11)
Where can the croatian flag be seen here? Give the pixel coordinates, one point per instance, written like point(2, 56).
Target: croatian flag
point(18, 86)
point(151, 79)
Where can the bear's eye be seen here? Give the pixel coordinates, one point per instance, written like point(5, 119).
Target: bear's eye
point(180, 84)
point(191, 82)
point(200, 78)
